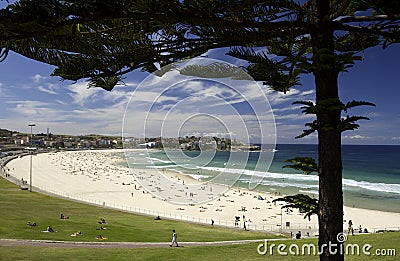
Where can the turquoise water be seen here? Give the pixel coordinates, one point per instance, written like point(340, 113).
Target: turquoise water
point(371, 176)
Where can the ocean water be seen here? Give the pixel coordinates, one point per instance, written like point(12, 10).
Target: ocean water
point(371, 176)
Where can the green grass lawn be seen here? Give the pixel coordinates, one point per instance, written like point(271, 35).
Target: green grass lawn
point(18, 207)
point(230, 252)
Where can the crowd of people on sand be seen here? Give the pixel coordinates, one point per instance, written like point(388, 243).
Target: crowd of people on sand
point(93, 165)
point(99, 166)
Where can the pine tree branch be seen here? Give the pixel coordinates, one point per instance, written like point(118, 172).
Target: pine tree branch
point(375, 18)
point(340, 11)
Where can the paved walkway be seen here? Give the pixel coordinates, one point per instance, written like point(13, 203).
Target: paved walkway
point(69, 244)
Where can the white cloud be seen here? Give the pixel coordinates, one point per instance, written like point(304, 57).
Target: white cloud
point(356, 137)
point(86, 121)
point(294, 117)
point(29, 107)
point(61, 102)
point(81, 94)
point(96, 97)
point(289, 107)
point(279, 98)
point(46, 90)
point(38, 78)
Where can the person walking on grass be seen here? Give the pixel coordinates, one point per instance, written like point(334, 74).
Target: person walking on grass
point(174, 236)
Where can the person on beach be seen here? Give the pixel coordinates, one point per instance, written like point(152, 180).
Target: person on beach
point(351, 230)
point(174, 237)
point(350, 223)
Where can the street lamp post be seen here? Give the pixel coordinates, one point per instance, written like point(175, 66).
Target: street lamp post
point(31, 152)
point(281, 220)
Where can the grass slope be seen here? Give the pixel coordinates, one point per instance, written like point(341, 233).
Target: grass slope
point(20, 206)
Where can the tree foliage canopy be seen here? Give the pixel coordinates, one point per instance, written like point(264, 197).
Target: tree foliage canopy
point(103, 40)
point(304, 203)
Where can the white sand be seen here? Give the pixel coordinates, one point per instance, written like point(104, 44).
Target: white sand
point(91, 176)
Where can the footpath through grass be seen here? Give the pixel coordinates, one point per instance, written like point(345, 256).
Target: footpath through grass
point(382, 242)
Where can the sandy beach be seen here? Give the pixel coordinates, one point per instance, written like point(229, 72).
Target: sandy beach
point(94, 177)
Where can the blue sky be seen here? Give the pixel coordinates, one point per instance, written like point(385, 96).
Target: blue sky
point(29, 95)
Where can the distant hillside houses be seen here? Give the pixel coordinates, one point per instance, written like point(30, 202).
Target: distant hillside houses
point(10, 140)
point(189, 143)
point(204, 143)
point(151, 144)
point(184, 143)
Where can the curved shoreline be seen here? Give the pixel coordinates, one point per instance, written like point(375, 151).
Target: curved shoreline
point(91, 177)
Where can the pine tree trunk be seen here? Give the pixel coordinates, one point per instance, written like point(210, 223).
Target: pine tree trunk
point(330, 212)
point(330, 209)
